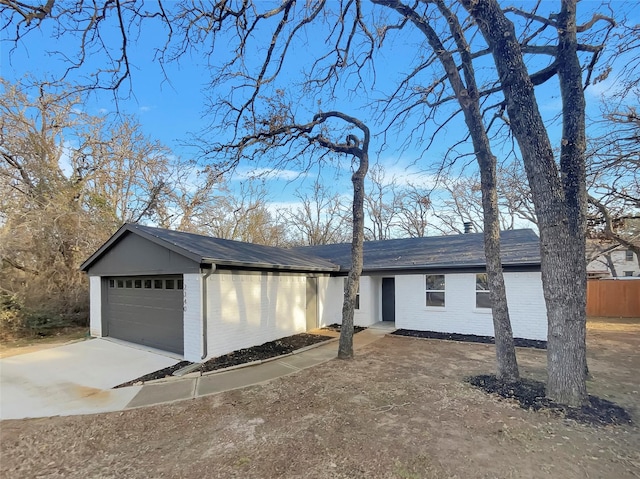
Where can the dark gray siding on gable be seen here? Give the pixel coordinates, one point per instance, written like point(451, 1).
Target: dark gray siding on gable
point(134, 255)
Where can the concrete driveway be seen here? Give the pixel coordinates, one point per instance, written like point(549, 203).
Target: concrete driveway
point(74, 379)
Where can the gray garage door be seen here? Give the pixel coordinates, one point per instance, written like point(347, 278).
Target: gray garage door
point(146, 310)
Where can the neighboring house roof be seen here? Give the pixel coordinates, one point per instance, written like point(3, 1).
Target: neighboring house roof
point(518, 248)
point(221, 252)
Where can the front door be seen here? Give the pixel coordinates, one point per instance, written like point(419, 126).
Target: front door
point(312, 303)
point(388, 299)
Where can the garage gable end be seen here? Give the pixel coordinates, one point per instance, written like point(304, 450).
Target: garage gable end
point(132, 254)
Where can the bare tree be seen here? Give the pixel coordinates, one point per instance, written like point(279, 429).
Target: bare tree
point(414, 211)
point(460, 201)
point(467, 95)
point(614, 182)
point(242, 215)
point(322, 218)
point(380, 205)
point(559, 194)
point(67, 180)
point(279, 131)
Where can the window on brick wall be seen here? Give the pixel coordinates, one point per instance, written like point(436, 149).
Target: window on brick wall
point(629, 255)
point(628, 273)
point(357, 305)
point(435, 290)
point(482, 291)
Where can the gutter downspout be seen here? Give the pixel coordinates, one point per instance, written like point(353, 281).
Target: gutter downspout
point(204, 309)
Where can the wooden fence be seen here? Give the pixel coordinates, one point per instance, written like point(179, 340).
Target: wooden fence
point(613, 298)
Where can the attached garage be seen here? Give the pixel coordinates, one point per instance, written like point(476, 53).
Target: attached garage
point(197, 296)
point(146, 310)
point(137, 289)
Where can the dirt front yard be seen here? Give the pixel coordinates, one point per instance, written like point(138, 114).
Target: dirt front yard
point(399, 410)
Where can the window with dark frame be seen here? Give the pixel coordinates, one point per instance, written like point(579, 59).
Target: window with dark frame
point(628, 274)
point(483, 300)
point(112, 283)
point(147, 284)
point(120, 283)
point(629, 255)
point(157, 284)
point(169, 284)
point(357, 305)
point(435, 292)
point(137, 283)
point(180, 284)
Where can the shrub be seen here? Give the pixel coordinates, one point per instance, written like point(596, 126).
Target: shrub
point(18, 321)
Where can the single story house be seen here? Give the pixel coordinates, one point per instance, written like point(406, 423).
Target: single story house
point(201, 297)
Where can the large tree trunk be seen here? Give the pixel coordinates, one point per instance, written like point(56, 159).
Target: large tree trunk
point(506, 362)
point(558, 203)
point(345, 348)
point(469, 101)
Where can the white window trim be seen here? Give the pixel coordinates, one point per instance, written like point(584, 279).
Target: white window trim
point(475, 296)
point(429, 307)
point(356, 306)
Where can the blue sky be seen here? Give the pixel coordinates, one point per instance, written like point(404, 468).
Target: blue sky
point(171, 109)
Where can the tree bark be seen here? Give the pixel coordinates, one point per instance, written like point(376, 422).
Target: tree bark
point(345, 347)
point(469, 101)
point(558, 202)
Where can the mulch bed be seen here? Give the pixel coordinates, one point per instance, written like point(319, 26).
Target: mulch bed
point(161, 373)
point(469, 338)
point(530, 394)
point(268, 350)
point(337, 328)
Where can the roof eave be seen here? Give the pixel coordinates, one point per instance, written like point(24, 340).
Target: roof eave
point(442, 266)
point(131, 228)
point(282, 267)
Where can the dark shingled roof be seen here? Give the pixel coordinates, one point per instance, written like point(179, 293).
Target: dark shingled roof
point(518, 248)
point(208, 250)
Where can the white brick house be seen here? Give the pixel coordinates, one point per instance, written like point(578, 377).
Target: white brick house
point(200, 297)
point(457, 262)
point(609, 260)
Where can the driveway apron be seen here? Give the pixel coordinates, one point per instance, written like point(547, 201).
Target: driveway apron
point(74, 379)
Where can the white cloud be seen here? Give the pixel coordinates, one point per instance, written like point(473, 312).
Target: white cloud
point(144, 109)
point(395, 170)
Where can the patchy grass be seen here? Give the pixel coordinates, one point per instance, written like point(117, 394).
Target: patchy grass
point(400, 409)
point(596, 324)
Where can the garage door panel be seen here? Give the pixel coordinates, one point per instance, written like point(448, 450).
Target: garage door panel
point(163, 338)
point(152, 317)
point(158, 302)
